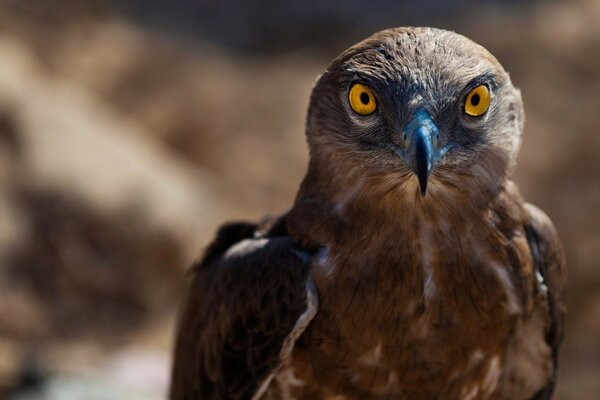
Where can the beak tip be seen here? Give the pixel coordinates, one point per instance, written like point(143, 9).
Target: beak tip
point(423, 185)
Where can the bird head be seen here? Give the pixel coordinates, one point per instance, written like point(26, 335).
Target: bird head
point(420, 112)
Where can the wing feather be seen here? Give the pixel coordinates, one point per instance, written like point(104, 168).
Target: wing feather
point(550, 264)
point(246, 296)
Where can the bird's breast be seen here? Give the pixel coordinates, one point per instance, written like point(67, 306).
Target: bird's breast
point(405, 315)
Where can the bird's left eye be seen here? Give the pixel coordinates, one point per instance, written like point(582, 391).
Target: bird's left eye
point(478, 101)
point(362, 99)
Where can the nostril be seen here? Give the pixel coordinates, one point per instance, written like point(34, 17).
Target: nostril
point(404, 136)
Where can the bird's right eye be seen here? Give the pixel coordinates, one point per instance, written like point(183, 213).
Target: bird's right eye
point(362, 99)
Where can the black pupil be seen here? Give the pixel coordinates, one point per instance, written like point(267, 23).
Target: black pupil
point(475, 99)
point(364, 98)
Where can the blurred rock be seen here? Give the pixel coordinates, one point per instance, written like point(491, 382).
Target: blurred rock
point(99, 220)
point(90, 274)
point(73, 143)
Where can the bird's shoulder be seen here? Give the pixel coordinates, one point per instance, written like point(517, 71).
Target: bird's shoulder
point(527, 226)
point(250, 298)
point(540, 259)
point(550, 266)
point(547, 251)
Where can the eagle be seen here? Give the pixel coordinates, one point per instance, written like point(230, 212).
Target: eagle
point(408, 267)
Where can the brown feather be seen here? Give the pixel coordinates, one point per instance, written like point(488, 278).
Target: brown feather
point(239, 311)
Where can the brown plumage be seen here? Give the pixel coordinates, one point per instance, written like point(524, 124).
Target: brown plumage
point(409, 266)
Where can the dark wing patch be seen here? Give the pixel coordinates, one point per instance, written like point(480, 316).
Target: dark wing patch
point(549, 259)
point(228, 235)
point(243, 303)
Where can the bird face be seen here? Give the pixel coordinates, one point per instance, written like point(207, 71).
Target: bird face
point(420, 107)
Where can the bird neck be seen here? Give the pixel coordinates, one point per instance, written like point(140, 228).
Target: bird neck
point(346, 209)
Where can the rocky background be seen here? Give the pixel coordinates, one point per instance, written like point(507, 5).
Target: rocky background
point(130, 130)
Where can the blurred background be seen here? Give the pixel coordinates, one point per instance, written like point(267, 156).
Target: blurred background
point(130, 130)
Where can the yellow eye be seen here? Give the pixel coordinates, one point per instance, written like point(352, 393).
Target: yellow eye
point(362, 99)
point(478, 101)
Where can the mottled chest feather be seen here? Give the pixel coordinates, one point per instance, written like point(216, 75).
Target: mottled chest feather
point(420, 309)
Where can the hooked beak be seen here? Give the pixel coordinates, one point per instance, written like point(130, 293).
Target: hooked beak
point(421, 137)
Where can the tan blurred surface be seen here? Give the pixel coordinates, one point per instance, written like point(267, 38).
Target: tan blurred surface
point(124, 144)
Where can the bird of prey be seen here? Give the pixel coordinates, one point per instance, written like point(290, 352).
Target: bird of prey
point(408, 267)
